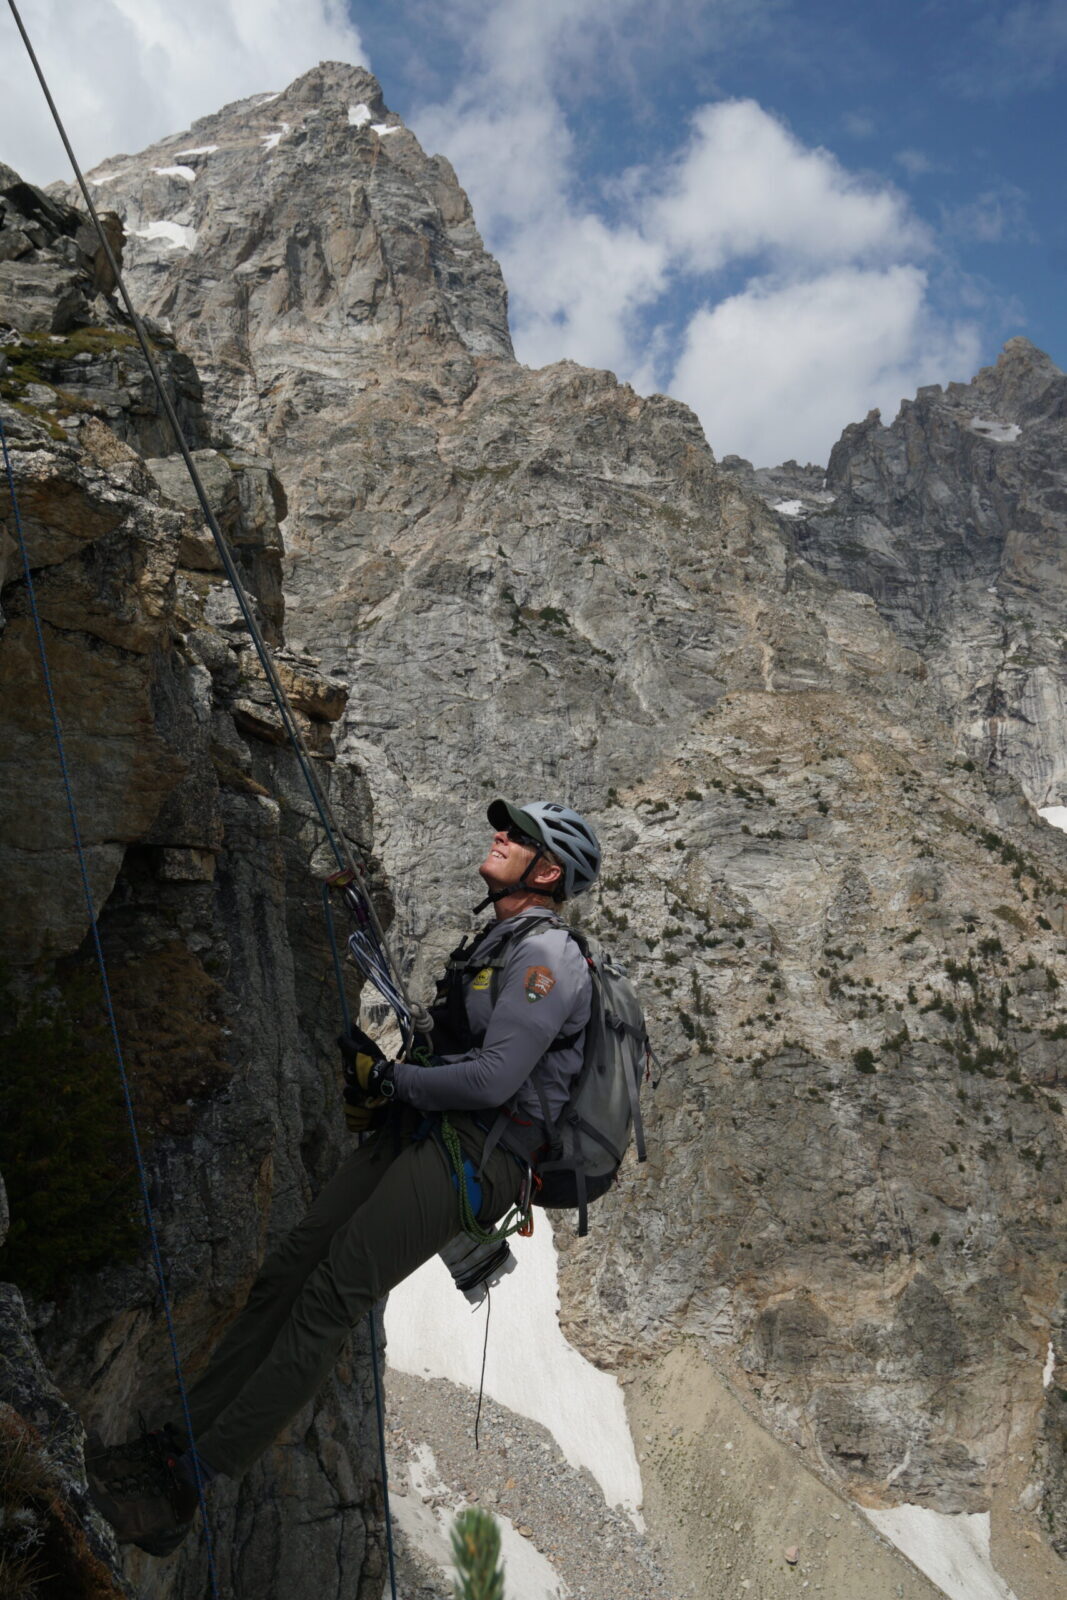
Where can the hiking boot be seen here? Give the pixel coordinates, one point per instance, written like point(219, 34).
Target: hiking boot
point(140, 1489)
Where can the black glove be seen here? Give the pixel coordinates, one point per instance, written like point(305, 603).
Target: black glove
point(368, 1075)
point(354, 1043)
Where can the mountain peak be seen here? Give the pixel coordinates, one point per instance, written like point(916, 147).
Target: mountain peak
point(303, 232)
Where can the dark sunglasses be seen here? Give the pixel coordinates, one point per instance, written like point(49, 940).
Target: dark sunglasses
point(517, 836)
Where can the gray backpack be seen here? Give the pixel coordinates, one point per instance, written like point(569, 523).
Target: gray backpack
point(590, 1136)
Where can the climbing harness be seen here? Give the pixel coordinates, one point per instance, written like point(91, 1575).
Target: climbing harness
point(368, 945)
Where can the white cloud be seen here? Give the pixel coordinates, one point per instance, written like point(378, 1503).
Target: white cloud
point(798, 361)
point(916, 163)
point(834, 318)
point(993, 216)
point(1011, 49)
point(130, 71)
point(745, 186)
point(578, 288)
point(575, 280)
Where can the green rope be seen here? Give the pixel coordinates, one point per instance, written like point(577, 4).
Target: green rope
point(511, 1223)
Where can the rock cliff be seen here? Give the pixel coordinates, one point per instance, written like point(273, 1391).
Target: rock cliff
point(952, 520)
point(197, 834)
point(845, 915)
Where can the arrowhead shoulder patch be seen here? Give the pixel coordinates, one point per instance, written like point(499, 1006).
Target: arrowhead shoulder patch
point(538, 982)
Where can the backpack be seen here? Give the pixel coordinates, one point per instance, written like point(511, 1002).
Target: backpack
point(590, 1136)
point(584, 1147)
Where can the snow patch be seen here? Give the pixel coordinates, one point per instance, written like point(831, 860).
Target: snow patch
point(1050, 1364)
point(271, 141)
point(197, 150)
point(171, 233)
point(105, 177)
point(359, 116)
point(789, 508)
point(999, 432)
point(953, 1551)
point(432, 1332)
point(175, 172)
point(425, 1518)
point(382, 128)
point(1056, 815)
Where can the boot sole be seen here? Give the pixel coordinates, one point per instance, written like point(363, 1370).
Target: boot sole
point(153, 1544)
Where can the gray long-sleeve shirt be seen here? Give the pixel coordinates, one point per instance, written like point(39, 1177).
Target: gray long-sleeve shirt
point(543, 991)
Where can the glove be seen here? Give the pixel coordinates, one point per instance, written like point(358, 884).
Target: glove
point(361, 1119)
point(368, 1075)
point(354, 1043)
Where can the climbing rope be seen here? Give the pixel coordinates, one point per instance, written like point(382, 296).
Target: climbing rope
point(72, 811)
point(346, 862)
point(379, 1400)
point(368, 945)
point(371, 957)
point(517, 1220)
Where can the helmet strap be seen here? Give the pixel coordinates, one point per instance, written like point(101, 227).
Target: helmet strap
point(516, 888)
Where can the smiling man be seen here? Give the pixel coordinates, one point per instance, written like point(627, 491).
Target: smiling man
point(509, 1026)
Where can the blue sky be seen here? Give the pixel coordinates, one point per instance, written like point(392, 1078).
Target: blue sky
point(782, 211)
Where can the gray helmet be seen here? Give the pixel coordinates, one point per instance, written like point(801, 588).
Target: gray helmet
point(561, 830)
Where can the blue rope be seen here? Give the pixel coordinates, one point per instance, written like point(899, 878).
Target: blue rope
point(379, 1403)
point(106, 987)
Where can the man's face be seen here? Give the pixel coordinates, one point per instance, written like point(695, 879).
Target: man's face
point(509, 856)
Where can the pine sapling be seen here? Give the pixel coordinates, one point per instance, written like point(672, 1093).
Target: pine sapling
point(476, 1551)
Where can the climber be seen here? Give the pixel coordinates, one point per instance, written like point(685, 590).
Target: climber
point(507, 1041)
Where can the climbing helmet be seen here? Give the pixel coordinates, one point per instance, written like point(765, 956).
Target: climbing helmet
point(561, 830)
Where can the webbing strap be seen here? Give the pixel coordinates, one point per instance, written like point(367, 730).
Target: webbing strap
point(583, 1202)
point(631, 1086)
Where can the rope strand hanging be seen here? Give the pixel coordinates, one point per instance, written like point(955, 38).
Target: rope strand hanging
point(368, 943)
point(98, 950)
point(338, 843)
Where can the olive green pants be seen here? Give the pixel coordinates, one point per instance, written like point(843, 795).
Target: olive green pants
point(387, 1209)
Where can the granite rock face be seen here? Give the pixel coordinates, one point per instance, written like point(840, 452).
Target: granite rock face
point(845, 915)
point(198, 834)
point(48, 1518)
point(953, 520)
